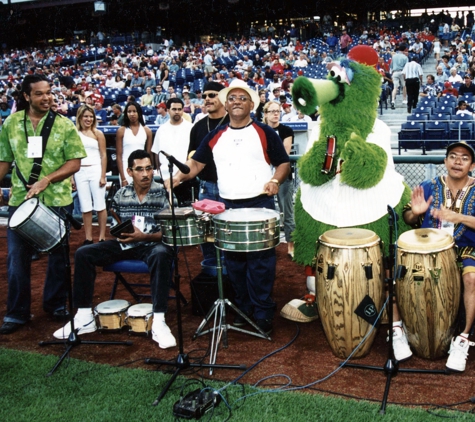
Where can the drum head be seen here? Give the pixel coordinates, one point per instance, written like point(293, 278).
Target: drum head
point(425, 240)
point(23, 212)
point(247, 215)
point(140, 310)
point(349, 237)
point(112, 306)
point(180, 213)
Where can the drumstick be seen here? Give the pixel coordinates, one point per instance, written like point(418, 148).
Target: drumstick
point(115, 216)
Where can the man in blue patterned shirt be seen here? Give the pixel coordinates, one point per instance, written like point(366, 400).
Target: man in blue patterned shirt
point(142, 198)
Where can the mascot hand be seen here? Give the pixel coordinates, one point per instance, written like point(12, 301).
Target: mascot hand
point(364, 164)
point(310, 165)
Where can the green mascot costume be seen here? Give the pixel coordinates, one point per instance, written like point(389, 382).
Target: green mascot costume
point(347, 174)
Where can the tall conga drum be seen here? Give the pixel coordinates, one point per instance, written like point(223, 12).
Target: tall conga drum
point(428, 295)
point(349, 268)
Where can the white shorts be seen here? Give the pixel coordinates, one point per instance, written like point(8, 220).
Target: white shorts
point(398, 79)
point(91, 195)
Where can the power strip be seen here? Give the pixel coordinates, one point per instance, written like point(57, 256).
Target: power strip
point(195, 404)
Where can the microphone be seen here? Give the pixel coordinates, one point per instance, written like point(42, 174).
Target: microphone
point(182, 167)
point(75, 223)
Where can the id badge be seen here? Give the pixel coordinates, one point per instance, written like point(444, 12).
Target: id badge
point(448, 227)
point(35, 147)
point(139, 222)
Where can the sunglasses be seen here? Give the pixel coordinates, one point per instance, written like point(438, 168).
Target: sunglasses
point(210, 95)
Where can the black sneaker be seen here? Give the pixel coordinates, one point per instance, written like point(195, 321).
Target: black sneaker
point(265, 325)
point(240, 321)
point(10, 327)
point(87, 242)
point(393, 106)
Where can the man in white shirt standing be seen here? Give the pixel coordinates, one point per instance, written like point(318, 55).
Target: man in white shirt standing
point(173, 137)
point(412, 73)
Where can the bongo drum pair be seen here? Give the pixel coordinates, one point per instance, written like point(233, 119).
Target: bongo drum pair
point(113, 315)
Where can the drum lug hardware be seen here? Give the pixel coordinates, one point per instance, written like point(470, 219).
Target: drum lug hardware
point(368, 269)
point(435, 274)
point(331, 270)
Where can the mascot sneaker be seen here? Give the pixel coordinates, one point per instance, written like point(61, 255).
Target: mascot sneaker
point(299, 310)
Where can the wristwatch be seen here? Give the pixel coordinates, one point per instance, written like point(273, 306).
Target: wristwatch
point(275, 181)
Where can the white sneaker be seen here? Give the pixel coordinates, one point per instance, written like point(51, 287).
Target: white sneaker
point(86, 324)
point(458, 354)
point(162, 334)
point(401, 348)
point(404, 101)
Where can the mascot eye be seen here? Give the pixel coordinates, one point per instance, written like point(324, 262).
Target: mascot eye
point(339, 73)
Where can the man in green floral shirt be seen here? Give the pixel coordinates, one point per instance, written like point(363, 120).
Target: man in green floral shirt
point(19, 139)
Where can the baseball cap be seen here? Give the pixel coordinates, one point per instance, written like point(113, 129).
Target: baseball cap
point(464, 145)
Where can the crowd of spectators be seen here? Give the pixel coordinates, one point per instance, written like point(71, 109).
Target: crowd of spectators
point(108, 76)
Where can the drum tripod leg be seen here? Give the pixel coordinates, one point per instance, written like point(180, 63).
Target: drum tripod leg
point(220, 327)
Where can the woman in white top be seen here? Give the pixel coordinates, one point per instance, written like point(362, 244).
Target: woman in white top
point(118, 83)
point(90, 180)
point(130, 137)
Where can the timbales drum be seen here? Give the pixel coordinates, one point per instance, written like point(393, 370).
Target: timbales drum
point(428, 294)
point(247, 229)
point(192, 228)
point(348, 268)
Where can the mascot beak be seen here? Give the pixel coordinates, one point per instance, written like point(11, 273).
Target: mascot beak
point(310, 93)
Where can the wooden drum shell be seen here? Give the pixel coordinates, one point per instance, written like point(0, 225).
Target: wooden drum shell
point(337, 298)
point(428, 295)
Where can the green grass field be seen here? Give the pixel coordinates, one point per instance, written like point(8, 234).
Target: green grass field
point(82, 391)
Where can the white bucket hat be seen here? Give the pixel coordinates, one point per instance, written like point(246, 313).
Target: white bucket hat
point(238, 83)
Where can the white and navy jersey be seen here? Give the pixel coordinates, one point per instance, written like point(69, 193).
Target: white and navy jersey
point(244, 158)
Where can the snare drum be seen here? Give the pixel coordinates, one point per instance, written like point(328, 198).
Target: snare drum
point(111, 314)
point(247, 229)
point(428, 295)
point(140, 317)
point(38, 225)
point(193, 229)
point(349, 267)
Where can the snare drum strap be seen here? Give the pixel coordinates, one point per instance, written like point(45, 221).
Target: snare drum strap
point(36, 169)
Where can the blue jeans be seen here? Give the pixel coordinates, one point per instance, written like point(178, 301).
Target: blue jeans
point(286, 206)
point(252, 274)
point(208, 190)
point(57, 281)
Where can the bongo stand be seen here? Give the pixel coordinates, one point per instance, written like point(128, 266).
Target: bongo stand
point(220, 327)
point(182, 361)
point(73, 339)
point(391, 367)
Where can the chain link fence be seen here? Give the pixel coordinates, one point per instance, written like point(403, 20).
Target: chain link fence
point(414, 169)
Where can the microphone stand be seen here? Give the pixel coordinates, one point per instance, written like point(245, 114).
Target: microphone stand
point(182, 361)
point(391, 367)
point(73, 339)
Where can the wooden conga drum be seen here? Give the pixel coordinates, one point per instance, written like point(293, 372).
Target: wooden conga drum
point(428, 295)
point(349, 267)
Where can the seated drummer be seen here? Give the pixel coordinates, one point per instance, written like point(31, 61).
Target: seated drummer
point(144, 198)
point(449, 199)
